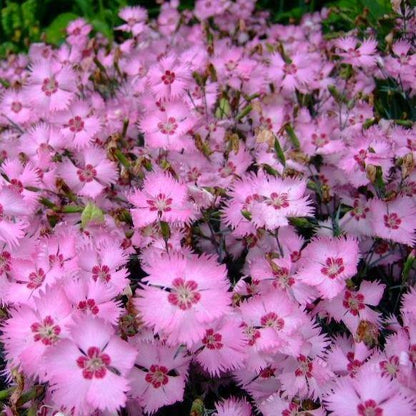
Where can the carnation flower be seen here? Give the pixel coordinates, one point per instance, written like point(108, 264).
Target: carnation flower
point(368, 394)
point(90, 174)
point(84, 368)
point(162, 198)
point(395, 220)
point(167, 128)
point(159, 375)
point(51, 87)
point(233, 407)
point(327, 262)
point(190, 291)
point(267, 201)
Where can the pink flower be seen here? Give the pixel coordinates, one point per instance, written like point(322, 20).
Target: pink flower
point(223, 347)
point(135, 18)
point(84, 368)
point(159, 375)
point(161, 199)
point(191, 293)
point(168, 78)
point(167, 128)
point(327, 262)
point(78, 125)
point(51, 87)
point(233, 407)
point(363, 55)
point(267, 200)
point(14, 106)
point(104, 264)
point(394, 220)
point(351, 306)
point(13, 210)
point(31, 331)
point(368, 394)
point(274, 321)
point(90, 174)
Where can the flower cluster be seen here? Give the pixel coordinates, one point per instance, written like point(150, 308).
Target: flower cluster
point(209, 214)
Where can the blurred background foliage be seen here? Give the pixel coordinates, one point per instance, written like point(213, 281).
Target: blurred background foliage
point(26, 21)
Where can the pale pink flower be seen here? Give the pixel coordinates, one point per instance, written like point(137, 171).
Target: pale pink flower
point(276, 321)
point(368, 393)
point(168, 128)
point(51, 87)
point(78, 124)
point(223, 346)
point(135, 18)
point(13, 106)
point(159, 375)
point(30, 331)
point(394, 220)
point(233, 407)
point(191, 293)
point(84, 368)
point(162, 198)
point(168, 78)
point(327, 262)
point(364, 55)
point(90, 174)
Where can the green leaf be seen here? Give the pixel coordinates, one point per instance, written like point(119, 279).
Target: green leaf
point(246, 214)
point(292, 136)
point(377, 8)
point(91, 214)
point(56, 31)
point(279, 152)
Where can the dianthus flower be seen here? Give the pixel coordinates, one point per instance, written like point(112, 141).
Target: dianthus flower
point(159, 375)
point(368, 393)
point(88, 370)
point(327, 262)
point(162, 198)
point(191, 292)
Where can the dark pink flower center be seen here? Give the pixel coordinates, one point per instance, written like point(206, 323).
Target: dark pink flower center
point(56, 259)
point(283, 279)
point(267, 372)
point(278, 201)
point(184, 294)
point(168, 77)
point(16, 185)
point(231, 64)
point(228, 169)
point(168, 127)
point(392, 221)
point(94, 363)
point(50, 86)
point(354, 302)
point(369, 408)
point(290, 69)
point(101, 273)
point(321, 140)
point(353, 364)
point(212, 340)
point(160, 203)
point(16, 106)
point(36, 279)
point(76, 124)
point(88, 305)
point(5, 261)
point(272, 320)
point(390, 367)
point(333, 267)
point(252, 333)
point(157, 376)
point(305, 367)
point(292, 410)
point(87, 174)
point(46, 331)
point(359, 212)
